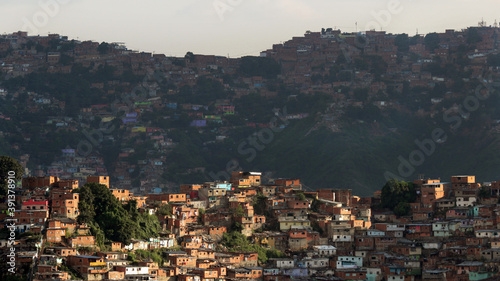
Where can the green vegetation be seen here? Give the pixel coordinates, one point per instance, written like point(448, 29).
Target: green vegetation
point(494, 60)
point(237, 212)
point(301, 196)
point(164, 210)
point(8, 164)
point(110, 220)
point(258, 66)
point(484, 192)
point(236, 242)
point(9, 277)
point(402, 41)
point(75, 275)
point(259, 204)
point(154, 255)
point(432, 41)
point(72, 88)
point(402, 209)
point(103, 48)
point(315, 226)
point(396, 195)
point(473, 36)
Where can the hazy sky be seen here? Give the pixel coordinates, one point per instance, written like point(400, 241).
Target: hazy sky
point(232, 27)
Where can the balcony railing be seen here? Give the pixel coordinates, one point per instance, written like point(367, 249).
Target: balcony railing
point(97, 271)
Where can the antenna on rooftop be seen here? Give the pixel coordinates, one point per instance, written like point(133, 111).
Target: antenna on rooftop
point(482, 23)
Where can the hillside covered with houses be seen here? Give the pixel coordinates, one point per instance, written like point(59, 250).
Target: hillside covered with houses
point(72, 109)
point(242, 229)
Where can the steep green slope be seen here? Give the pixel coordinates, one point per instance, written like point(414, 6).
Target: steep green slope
point(360, 156)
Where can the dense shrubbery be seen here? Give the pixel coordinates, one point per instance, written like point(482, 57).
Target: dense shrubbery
point(258, 66)
point(8, 164)
point(110, 220)
point(236, 241)
point(396, 195)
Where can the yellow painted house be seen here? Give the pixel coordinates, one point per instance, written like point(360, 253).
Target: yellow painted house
point(286, 225)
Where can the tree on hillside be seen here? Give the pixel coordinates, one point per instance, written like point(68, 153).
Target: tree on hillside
point(301, 196)
point(8, 164)
point(395, 192)
point(190, 57)
point(402, 41)
point(259, 66)
point(238, 211)
point(164, 210)
point(259, 203)
point(103, 48)
point(494, 60)
point(432, 41)
point(402, 209)
point(235, 241)
point(109, 219)
point(472, 36)
point(86, 204)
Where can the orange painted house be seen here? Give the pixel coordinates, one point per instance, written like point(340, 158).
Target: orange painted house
point(188, 188)
point(216, 231)
point(64, 252)
point(239, 274)
point(245, 179)
point(90, 267)
point(115, 275)
point(82, 241)
point(288, 182)
point(104, 180)
point(298, 204)
point(184, 261)
point(207, 273)
point(66, 184)
point(227, 258)
point(55, 234)
point(123, 195)
point(167, 198)
point(464, 182)
point(337, 195)
point(430, 192)
point(65, 204)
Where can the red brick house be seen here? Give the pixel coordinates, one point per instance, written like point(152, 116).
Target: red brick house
point(65, 204)
point(82, 241)
point(90, 267)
